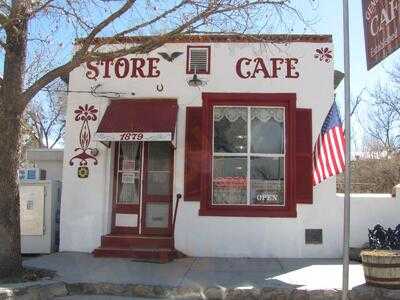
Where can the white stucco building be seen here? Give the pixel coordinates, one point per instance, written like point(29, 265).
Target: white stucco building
point(227, 122)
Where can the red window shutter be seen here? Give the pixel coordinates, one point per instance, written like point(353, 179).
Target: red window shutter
point(193, 154)
point(304, 184)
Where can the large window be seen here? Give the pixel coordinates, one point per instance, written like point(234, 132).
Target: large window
point(248, 156)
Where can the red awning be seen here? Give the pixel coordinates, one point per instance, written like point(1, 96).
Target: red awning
point(138, 120)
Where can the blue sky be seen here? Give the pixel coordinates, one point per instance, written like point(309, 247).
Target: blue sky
point(329, 15)
point(329, 21)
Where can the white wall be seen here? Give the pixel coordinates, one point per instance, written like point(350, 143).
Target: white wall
point(367, 210)
point(85, 214)
point(50, 160)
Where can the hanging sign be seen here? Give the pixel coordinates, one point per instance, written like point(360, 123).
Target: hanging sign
point(381, 29)
point(128, 177)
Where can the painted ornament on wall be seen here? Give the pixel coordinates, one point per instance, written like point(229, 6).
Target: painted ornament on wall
point(83, 172)
point(170, 58)
point(323, 54)
point(85, 113)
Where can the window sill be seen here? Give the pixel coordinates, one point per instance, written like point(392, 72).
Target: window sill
point(270, 212)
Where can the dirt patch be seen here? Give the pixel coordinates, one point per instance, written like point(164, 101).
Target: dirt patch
point(29, 274)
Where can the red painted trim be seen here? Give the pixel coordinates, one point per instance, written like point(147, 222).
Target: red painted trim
point(156, 199)
point(188, 71)
point(121, 208)
point(218, 38)
point(304, 182)
point(287, 100)
point(193, 133)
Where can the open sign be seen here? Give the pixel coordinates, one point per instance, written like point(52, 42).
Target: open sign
point(267, 197)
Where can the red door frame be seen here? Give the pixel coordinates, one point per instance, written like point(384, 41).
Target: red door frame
point(156, 199)
point(140, 209)
point(123, 208)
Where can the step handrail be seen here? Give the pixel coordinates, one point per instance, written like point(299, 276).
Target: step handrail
point(178, 197)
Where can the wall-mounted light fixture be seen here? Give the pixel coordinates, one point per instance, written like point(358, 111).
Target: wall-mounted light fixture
point(195, 81)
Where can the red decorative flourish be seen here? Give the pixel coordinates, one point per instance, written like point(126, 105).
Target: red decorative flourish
point(84, 113)
point(323, 54)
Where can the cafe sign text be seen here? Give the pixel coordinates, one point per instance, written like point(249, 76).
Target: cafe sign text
point(381, 29)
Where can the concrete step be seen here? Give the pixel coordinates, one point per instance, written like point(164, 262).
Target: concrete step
point(159, 255)
point(136, 241)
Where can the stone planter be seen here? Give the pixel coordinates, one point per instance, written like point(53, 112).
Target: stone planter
point(382, 268)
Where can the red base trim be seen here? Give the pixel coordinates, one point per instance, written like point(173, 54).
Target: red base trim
point(248, 213)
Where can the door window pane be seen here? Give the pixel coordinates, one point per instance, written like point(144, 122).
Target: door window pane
point(129, 156)
point(266, 182)
point(159, 168)
point(267, 130)
point(230, 129)
point(129, 172)
point(230, 180)
point(157, 215)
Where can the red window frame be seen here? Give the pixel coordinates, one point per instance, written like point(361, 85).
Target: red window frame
point(188, 71)
point(287, 100)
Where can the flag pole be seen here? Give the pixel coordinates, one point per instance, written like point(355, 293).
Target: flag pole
point(346, 206)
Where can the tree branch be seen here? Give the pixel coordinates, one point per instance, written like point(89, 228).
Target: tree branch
point(59, 135)
point(41, 7)
point(152, 21)
point(78, 57)
point(86, 54)
point(86, 42)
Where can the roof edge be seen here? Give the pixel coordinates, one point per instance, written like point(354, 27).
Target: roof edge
point(218, 38)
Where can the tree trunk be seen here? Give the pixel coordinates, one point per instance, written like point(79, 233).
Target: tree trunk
point(12, 105)
point(10, 245)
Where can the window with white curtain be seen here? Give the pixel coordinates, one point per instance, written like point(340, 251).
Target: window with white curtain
point(248, 155)
point(129, 162)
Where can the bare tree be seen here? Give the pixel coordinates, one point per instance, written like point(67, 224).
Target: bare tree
point(383, 119)
point(44, 118)
point(36, 34)
point(377, 169)
point(356, 102)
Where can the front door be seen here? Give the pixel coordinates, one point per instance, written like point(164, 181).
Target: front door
point(143, 188)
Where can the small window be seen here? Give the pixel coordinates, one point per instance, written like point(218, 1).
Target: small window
point(198, 60)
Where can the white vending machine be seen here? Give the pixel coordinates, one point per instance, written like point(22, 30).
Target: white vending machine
point(39, 215)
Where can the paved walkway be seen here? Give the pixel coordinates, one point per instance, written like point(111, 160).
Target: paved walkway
point(245, 273)
point(97, 297)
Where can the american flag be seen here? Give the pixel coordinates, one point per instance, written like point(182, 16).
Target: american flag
point(328, 155)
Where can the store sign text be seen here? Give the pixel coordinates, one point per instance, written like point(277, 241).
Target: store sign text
point(259, 67)
point(123, 68)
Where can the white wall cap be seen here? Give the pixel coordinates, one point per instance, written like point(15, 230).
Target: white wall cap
point(45, 154)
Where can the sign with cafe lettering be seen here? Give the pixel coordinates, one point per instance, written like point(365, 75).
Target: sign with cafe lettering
point(381, 29)
point(246, 68)
point(259, 67)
